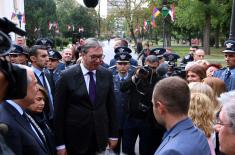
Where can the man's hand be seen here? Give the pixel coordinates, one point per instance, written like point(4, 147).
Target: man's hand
point(62, 152)
point(112, 143)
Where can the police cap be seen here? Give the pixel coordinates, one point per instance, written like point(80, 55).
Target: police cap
point(230, 46)
point(158, 52)
point(122, 57)
point(171, 57)
point(122, 49)
point(44, 41)
point(16, 49)
point(53, 54)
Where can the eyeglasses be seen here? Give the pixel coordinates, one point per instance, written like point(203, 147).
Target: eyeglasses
point(95, 57)
point(217, 121)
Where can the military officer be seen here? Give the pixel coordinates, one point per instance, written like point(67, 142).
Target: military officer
point(122, 50)
point(227, 74)
point(54, 66)
point(18, 55)
point(122, 67)
point(45, 42)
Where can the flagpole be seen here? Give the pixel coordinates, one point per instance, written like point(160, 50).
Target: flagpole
point(232, 23)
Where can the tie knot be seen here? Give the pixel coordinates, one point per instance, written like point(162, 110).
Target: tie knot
point(42, 73)
point(90, 73)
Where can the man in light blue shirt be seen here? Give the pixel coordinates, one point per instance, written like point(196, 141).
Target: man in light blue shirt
point(170, 99)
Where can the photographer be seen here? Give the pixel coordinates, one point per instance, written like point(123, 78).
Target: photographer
point(140, 120)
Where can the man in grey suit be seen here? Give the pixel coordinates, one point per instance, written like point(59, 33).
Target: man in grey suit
point(85, 116)
point(171, 99)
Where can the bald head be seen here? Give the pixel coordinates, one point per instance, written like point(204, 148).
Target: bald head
point(199, 55)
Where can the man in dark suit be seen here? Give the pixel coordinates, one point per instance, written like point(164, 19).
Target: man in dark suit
point(23, 137)
point(85, 115)
point(38, 55)
point(171, 97)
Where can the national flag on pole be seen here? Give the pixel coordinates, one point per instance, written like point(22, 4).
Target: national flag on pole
point(156, 12)
point(23, 19)
point(14, 17)
point(172, 12)
point(153, 22)
point(146, 24)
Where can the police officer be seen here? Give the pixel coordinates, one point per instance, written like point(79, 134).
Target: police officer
point(122, 67)
point(54, 66)
point(189, 57)
point(18, 55)
point(227, 74)
point(122, 50)
point(122, 43)
point(45, 42)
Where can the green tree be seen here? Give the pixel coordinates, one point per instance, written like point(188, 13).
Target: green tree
point(38, 13)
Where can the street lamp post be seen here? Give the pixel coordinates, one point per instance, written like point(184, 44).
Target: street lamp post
point(232, 23)
point(164, 13)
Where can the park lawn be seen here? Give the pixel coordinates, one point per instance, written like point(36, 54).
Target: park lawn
point(216, 55)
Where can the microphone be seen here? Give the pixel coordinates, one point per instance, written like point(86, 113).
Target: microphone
point(3, 129)
point(91, 3)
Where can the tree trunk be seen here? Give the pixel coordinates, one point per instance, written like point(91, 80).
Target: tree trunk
point(217, 32)
point(206, 35)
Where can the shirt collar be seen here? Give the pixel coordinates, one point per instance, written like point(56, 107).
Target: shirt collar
point(16, 106)
point(123, 77)
point(85, 70)
point(36, 71)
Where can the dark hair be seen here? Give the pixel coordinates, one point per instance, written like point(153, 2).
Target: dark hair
point(195, 47)
point(34, 49)
point(174, 93)
point(198, 69)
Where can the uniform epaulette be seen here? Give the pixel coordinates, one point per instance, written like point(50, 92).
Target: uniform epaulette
point(112, 67)
point(134, 66)
point(224, 68)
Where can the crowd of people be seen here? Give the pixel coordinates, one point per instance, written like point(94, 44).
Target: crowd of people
point(76, 104)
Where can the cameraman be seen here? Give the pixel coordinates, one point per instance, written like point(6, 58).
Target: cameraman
point(140, 120)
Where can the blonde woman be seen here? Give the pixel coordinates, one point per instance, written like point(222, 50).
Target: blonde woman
point(201, 112)
point(199, 87)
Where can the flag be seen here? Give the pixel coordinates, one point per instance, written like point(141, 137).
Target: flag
point(23, 19)
point(146, 24)
point(14, 17)
point(153, 22)
point(156, 12)
point(172, 12)
point(49, 25)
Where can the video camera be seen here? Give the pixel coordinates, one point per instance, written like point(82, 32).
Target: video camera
point(144, 71)
point(16, 76)
point(174, 70)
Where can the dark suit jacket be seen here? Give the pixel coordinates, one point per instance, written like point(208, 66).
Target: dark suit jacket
point(78, 123)
point(20, 136)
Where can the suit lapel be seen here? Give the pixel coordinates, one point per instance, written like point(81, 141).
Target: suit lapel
point(22, 122)
point(38, 80)
point(99, 78)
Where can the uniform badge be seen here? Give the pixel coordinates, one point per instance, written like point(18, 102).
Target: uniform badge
point(229, 45)
point(51, 53)
point(123, 56)
point(43, 41)
point(121, 50)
